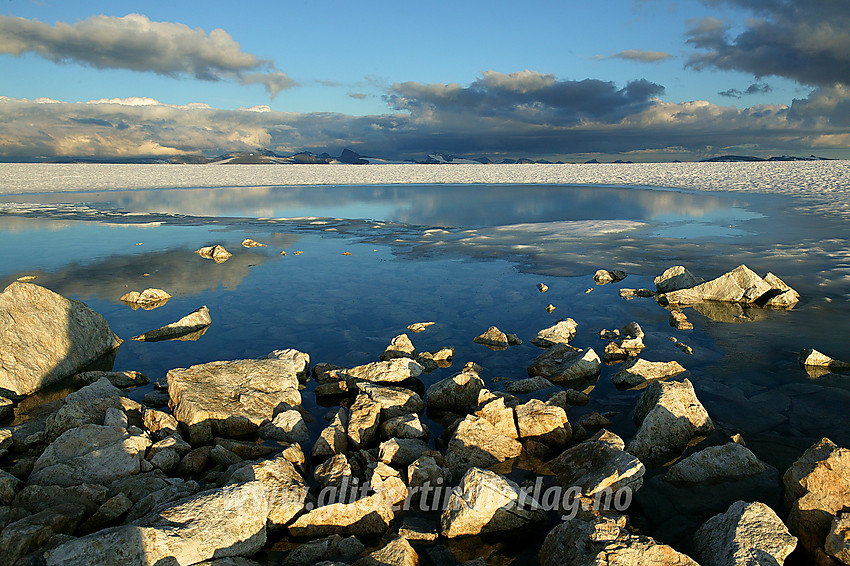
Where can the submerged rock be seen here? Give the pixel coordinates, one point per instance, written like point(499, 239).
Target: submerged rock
point(230, 398)
point(747, 534)
point(639, 373)
point(564, 364)
point(183, 329)
point(486, 502)
point(45, 337)
point(669, 417)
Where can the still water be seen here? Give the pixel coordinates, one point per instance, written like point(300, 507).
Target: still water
point(466, 257)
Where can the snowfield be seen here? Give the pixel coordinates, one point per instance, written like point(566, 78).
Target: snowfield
point(825, 185)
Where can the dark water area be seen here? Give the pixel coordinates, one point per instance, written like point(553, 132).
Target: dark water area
point(468, 257)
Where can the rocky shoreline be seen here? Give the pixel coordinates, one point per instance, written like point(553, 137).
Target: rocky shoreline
point(218, 465)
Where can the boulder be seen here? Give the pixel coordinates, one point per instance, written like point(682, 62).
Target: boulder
point(300, 361)
point(747, 534)
point(427, 470)
point(419, 326)
point(394, 401)
point(9, 486)
point(783, 296)
point(45, 337)
point(148, 299)
point(604, 276)
point(813, 358)
point(107, 514)
point(121, 379)
point(159, 424)
point(222, 522)
point(400, 347)
point(405, 426)
point(458, 393)
point(287, 426)
point(390, 371)
point(605, 540)
point(333, 472)
point(838, 539)
point(597, 464)
point(817, 489)
point(628, 345)
point(185, 328)
point(230, 398)
point(630, 294)
point(669, 417)
point(216, 253)
point(363, 422)
point(401, 452)
point(717, 464)
point(31, 533)
point(486, 502)
point(675, 278)
point(249, 243)
point(89, 454)
point(89, 405)
point(741, 285)
point(281, 486)
point(431, 361)
point(638, 373)
point(679, 321)
point(477, 443)
point(562, 332)
point(493, 338)
point(564, 364)
point(568, 398)
point(530, 385)
point(332, 547)
point(38, 498)
point(333, 438)
point(543, 422)
point(502, 418)
point(397, 552)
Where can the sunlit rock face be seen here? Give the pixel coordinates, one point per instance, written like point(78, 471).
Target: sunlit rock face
point(45, 337)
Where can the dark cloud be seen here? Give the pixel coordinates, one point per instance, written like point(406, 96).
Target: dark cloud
point(804, 40)
point(755, 88)
point(526, 97)
point(641, 55)
point(358, 95)
point(136, 43)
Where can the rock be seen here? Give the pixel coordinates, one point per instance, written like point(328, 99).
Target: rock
point(116, 417)
point(9, 486)
point(397, 552)
point(675, 278)
point(89, 454)
point(679, 321)
point(638, 373)
point(332, 547)
point(550, 307)
point(333, 439)
point(477, 443)
point(119, 379)
point(741, 285)
point(366, 517)
point(405, 426)
point(230, 398)
point(165, 459)
point(246, 449)
point(156, 399)
point(186, 326)
point(669, 417)
point(783, 295)
point(682, 346)
point(400, 347)
point(148, 502)
point(390, 371)
point(493, 338)
point(288, 426)
point(560, 333)
point(458, 393)
point(300, 361)
point(485, 502)
point(45, 337)
point(363, 422)
point(838, 539)
point(570, 397)
point(333, 472)
point(159, 424)
point(249, 243)
point(564, 364)
point(629, 294)
point(746, 534)
point(174, 442)
point(216, 253)
point(195, 462)
point(629, 345)
point(594, 421)
point(419, 530)
point(111, 511)
point(401, 452)
point(420, 326)
point(282, 487)
point(38, 498)
point(605, 540)
point(224, 457)
point(603, 276)
point(430, 361)
point(543, 422)
point(31, 533)
point(222, 522)
point(148, 299)
point(817, 489)
point(501, 417)
point(427, 471)
point(89, 406)
point(7, 408)
point(716, 464)
point(394, 401)
point(542, 287)
point(606, 334)
point(530, 385)
point(813, 358)
point(597, 464)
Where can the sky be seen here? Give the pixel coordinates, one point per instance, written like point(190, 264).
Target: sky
point(640, 80)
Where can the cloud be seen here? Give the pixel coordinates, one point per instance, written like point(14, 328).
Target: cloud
point(804, 40)
point(358, 95)
point(755, 88)
point(136, 43)
point(518, 114)
point(639, 55)
point(525, 97)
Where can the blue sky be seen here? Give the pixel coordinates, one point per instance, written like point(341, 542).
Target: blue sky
point(401, 79)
